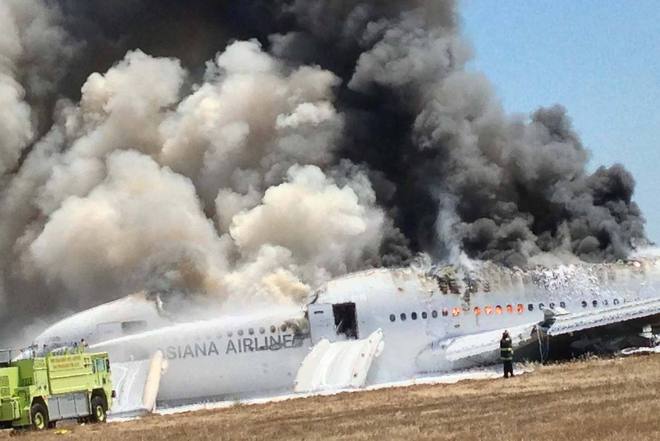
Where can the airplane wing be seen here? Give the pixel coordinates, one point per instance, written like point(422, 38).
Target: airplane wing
point(338, 365)
point(466, 346)
point(594, 318)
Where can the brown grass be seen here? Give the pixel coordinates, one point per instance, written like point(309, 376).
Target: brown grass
point(600, 400)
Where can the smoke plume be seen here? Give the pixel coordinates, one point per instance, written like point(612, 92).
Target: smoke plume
point(251, 150)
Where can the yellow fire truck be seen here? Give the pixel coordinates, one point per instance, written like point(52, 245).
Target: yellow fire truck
point(38, 391)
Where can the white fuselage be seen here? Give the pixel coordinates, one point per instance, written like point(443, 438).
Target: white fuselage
point(259, 354)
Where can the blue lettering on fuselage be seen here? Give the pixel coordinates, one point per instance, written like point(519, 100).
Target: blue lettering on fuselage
point(234, 346)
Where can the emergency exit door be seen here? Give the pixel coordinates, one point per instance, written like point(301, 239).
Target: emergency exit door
point(321, 322)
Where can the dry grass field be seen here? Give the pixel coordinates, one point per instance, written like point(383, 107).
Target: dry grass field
point(616, 399)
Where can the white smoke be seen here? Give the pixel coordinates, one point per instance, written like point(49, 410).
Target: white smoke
point(216, 192)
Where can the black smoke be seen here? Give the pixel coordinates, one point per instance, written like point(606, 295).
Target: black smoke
point(452, 172)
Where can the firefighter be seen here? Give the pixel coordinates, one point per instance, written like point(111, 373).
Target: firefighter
point(506, 354)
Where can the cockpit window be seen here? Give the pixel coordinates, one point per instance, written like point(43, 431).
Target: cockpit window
point(133, 326)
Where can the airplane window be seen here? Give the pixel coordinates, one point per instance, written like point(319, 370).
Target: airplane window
point(251, 331)
point(218, 336)
point(520, 308)
point(392, 317)
point(562, 304)
point(434, 314)
point(273, 329)
point(445, 312)
point(477, 310)
point(509, 309)
point(584, 304)
point(240, 332)
point(595, 303)
point(552, 306)
point(616, 301)
point(605, 302)
point(541, 306)
point(530, 307)
point(413, 316)
point(229, 334)
point(403, 317)
point(283, 327)
point(498, 309)
point(456, 312)
point(488, 309)
point(424, 315)
point(262, 331)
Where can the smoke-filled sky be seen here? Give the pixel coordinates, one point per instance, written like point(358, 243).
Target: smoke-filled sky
point(599, 59)
point(251, 150)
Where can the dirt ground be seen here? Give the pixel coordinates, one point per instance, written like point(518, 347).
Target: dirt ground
point(616, 399)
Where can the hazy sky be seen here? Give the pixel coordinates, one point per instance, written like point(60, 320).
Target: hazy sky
point(600, 59)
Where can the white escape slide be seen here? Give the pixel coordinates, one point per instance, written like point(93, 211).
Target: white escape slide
point(338, 365)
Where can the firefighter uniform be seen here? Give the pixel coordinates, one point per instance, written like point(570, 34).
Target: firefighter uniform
point(506, 354)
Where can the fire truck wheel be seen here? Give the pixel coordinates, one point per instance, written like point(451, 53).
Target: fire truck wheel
point(99, 414)
point(39, 416)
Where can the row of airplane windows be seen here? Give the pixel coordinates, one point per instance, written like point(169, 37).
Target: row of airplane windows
point(489, 310)
point(252, 331)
